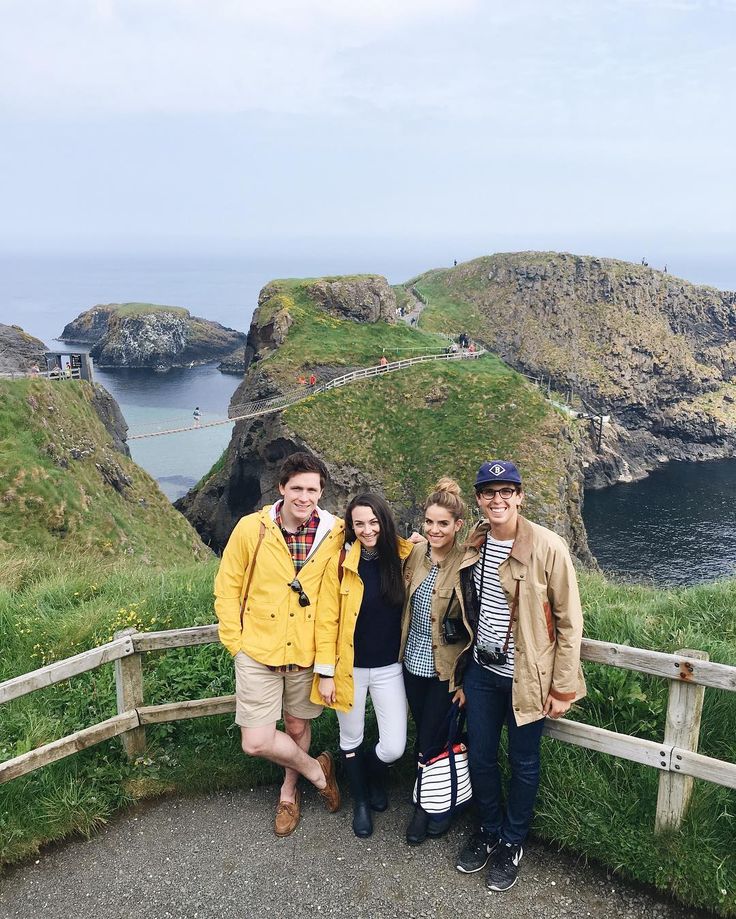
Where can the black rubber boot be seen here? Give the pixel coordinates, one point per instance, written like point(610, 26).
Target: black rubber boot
point(416, 832)
point(438, 826)
point(377, 778)
point(355, 770)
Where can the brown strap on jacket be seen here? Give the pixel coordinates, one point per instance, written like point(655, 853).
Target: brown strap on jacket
point(261, 534)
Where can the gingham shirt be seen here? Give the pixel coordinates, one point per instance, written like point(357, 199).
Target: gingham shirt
point(418, 655)
point(300, 544)
point(301, 541)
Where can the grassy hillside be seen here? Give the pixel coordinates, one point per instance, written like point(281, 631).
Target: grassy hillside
point(67, 494)
point(319, 338)
point(592, 804)
point(408, 428)
point(620, 332)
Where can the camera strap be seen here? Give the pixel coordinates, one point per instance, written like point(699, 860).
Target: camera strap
point(447, 611)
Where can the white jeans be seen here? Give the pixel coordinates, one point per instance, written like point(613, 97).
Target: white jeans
point(386, 686)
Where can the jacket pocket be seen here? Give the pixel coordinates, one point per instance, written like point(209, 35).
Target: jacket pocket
point(545, 666)
point(550, 622)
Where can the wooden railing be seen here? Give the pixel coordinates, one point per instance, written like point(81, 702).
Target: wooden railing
point(688, 672)
point(245, 410)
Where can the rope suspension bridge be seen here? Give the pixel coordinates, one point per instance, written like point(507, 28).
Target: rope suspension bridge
point(244, 410)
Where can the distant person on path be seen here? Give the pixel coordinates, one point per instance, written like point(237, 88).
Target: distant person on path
point(522, 604)
point(196, 414)
point(383, 363)
point(358, 635)
point(312, 379)
point(433, 632)
point(266, 594)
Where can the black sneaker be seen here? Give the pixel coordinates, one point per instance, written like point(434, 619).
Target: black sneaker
point(475, 853)
point(504, 868)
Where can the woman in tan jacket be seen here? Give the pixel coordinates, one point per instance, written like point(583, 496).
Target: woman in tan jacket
point(434, 632)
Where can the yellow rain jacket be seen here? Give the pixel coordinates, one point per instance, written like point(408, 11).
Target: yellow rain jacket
point(338, 608)
point(273, 628)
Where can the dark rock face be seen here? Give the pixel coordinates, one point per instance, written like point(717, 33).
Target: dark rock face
point(157, 338)
point(111, 416)
point(19, 351)
point(90, 326)
point(250, 479)
point(654, 352)
point(367, 299)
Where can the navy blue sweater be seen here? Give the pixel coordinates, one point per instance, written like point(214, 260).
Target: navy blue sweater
point(378, 629)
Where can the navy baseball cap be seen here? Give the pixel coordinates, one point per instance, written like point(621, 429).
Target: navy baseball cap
point(497, 471)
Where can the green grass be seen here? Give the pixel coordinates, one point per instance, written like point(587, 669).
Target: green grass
point(66, 492)
point(318, 338)
point(533, 305)
point(127, 310)
point(590, 804)
point(438, 419)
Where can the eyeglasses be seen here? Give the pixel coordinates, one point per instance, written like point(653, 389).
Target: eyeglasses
point(488, 493)
point(297, 588)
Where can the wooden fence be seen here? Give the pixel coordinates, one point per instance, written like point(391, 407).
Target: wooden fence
point(244, 410)
point(688, 672)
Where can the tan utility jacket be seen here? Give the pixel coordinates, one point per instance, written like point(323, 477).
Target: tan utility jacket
point(273, 629)
point(548, 624)
point(447, 600)
point(339, 604)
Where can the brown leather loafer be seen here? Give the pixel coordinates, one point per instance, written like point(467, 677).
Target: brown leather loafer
point(331, 791)
point(288, 816)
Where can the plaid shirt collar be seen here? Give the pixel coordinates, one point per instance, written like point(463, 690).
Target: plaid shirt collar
point(300, 542)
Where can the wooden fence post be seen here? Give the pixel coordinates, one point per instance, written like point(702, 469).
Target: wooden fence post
point(129, 692)
point(682, 729)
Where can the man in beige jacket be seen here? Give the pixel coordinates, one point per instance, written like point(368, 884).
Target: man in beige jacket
point(522, 605)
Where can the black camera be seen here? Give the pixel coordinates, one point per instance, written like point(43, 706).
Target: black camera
point(491, 655)
point(453, 630)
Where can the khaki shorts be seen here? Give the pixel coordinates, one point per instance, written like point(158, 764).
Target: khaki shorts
point(261, 694)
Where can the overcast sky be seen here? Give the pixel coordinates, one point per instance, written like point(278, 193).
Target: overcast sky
point(175, 125)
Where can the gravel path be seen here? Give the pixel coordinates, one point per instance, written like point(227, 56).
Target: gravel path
point(215, 857)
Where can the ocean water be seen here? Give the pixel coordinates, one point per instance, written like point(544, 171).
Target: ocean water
point(676, 527)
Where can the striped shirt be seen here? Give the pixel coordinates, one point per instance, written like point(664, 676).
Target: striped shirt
point(418, 655)
point(493, 622)
point(301, 540)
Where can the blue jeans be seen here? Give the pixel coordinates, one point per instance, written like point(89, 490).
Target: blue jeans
point(488, 707)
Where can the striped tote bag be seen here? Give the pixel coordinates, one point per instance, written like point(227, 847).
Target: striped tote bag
point(443, 775)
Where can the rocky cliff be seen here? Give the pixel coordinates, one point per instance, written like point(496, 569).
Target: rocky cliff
point(654, 352)
point(145, 335)
point(395, 433)
point(19, 351)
